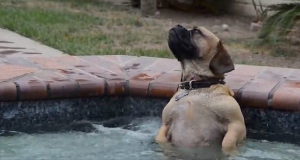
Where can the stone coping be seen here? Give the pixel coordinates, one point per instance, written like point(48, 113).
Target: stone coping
point(40, 78)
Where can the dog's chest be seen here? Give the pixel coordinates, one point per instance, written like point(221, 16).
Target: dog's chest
point(193, 108)
point(192, 115)
point(193, 97)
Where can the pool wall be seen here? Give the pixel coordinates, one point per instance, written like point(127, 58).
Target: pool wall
point(59, 114)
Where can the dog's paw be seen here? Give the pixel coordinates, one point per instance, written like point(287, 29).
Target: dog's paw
point(161, 139)
point(231, 152)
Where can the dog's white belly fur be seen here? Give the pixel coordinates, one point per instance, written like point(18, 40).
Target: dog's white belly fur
point(194, 125)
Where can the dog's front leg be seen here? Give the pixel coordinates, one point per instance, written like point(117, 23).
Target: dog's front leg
point(229, 109)
point(161, 137)
point(234, 136)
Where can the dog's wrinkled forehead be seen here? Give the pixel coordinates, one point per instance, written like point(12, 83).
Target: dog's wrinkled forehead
point(206, 33)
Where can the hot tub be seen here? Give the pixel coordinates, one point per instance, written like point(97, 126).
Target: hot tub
point(109, 107)
point(123, 128)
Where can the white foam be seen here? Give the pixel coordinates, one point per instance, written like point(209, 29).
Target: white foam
point(118, 143)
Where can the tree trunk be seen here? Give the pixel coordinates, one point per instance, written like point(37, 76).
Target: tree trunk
point(135, 3)
point(148, 7)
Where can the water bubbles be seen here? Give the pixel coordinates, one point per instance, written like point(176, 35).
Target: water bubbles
point(133, 142)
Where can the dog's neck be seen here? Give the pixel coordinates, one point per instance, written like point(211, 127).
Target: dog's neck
point(197, 70)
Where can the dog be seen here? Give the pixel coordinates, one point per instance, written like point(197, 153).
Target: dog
point(203, 111)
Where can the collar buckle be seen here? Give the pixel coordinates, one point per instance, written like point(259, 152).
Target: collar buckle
point(183, 85)
point(191, 84)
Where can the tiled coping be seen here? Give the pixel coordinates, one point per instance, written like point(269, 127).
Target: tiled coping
point(39, 78)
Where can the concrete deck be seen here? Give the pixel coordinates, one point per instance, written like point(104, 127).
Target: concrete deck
point(15, 45)
point(31, 71)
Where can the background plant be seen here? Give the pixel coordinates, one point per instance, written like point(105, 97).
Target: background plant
point(261, 12)
point(282, 23)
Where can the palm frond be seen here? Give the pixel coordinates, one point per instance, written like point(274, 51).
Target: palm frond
point(269, 24)
point(282, 6)
point(279, 24)
point(288, 20)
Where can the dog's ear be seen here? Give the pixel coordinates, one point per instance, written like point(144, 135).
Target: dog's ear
point(221, 63)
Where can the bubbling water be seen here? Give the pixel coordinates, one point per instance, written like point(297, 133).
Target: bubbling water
point(133, 141)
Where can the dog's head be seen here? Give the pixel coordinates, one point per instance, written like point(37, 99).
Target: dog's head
point(200, 46)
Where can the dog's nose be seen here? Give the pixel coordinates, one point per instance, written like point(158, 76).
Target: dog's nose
point(179, 29)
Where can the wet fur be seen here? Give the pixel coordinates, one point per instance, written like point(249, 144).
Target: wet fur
point(207, 116)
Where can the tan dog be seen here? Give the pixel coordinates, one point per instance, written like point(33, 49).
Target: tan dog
point(205, 112)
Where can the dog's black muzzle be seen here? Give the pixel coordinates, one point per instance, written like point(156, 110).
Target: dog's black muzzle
point(180, 43)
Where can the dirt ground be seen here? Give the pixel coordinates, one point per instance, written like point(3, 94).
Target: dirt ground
point(236, 38)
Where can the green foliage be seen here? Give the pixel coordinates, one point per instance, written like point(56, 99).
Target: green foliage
point(277, 26)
